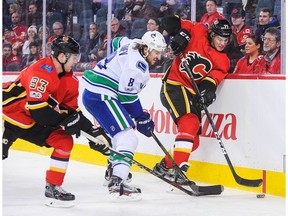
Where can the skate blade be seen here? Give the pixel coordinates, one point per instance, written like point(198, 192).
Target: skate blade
point(54, 203)
point(115, 197)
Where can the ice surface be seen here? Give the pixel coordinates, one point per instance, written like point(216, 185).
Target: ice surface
point(24, 181)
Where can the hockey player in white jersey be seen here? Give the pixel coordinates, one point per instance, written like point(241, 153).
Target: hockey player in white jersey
point(111, 96)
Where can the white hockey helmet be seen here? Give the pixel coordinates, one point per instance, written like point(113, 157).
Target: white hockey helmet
point(154, 40)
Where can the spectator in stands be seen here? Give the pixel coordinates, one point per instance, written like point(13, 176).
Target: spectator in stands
point(8, 58)
point(208, 18)
point(32, 57)
point(19, 29)
point(271, 63)
point(169, 57)
point(100, 51)
point(169, 8)
point(32, 34)
point(116, 29)
point(34, 16)
point(185, 12)
point(143, 10)
point(89, 43)
point(266, 20)
point(125, 12)
point(14, 8)
point(153, 24)
point(6, 15)
point(239, 29)
point(8, 33)
point(48, 49)
point(10, 37)
point(236, 48)
point(40, 38)
point(57, 29)
point(23, 5)
point(249, 63)
point(57, 10)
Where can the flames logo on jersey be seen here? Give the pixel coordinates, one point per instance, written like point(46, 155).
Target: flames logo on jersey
point(198, 65)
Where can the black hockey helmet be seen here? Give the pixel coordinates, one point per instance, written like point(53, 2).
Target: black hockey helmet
point(221, 27)
point(64, 44)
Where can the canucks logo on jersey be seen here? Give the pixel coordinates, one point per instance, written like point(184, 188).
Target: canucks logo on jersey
point(142, 66)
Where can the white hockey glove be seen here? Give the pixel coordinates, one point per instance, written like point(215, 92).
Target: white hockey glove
point(104, 141)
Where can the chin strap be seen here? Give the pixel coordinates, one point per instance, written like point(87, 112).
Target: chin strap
point(67, 55)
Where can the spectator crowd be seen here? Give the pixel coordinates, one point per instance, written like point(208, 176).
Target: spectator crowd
point(254, 47)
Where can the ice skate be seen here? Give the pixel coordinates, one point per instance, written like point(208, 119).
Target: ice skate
point(184, 166)
point(57, 197)
point(162, 170)
point(108, 174)
point(120, 190)
point(173, 175)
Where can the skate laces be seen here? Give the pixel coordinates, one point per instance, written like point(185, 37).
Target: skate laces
point(61, 190)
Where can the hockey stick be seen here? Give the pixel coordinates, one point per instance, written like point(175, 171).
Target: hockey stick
point(238, 179)
point(197, 190)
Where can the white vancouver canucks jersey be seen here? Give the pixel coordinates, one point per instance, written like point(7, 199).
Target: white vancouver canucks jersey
point(122, 75)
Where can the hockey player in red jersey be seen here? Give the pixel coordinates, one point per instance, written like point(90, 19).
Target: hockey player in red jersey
point(41, 106)
point(203, 52)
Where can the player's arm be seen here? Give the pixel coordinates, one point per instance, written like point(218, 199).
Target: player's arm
point(129, 86)
point(209, 84)
point(44, 114)
point(180, 30)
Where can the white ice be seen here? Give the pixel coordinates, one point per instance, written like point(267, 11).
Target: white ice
point(23, 194)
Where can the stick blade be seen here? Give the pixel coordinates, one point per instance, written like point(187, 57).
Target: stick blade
point(249, 182)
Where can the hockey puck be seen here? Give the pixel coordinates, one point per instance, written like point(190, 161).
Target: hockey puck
point(260, 195)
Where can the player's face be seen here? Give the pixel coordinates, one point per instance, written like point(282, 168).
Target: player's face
point(219, 43)
point(250, 46)
point(153, 56)
point(72, 61)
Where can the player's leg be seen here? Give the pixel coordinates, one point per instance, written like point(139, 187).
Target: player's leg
point(178, 101)
point(59, 159)
point(114, 118)
point(10, 134)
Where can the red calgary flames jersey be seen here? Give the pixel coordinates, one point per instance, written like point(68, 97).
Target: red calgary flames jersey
point(244, 67)
point(209, 19)
point(204, 61)
point(42, 86)
point(242, 34)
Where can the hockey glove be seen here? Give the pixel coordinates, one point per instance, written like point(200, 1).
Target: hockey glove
point(207, 90)
point(180, 41)
point(171, 24)
point(70, 124)
point(104, 142)
point(145, 124)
